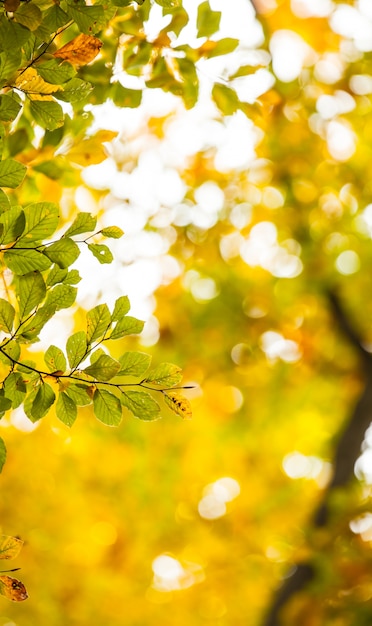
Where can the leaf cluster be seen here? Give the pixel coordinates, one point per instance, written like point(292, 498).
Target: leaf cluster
point(42, 284)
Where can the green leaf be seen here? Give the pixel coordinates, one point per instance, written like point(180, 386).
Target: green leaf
point(123, 97)
point(113, 232)
point(104, 368)
point(134, 363)
point(79, 394)
point(76, 348)
point(164, 375)
point(9, 108)
point(73, 277)
point(61, 297)
point(12, 173)
point(56, 275)
point(98, 322)
point(31, 330)
point(55, 359)
point(90, 19)
point(5, 403)
point(75, 90)
point(30, 291)
point(223, 46)
point(121, 308)
point(179, 19)
point(3, 459)
point(12, 349)
point(24, 261)
point(41, 221)
point(101, 252)
point(107, 407)
point(127, 326)
point(225, 98)
point(56, 73)
point(10, 61)
point(12, 36)
point(28, 15)
point(40, 402)
point(83, 223)
point(7, 314)
point(178, 404)
point(141, 404)
point(55, 18)
point(66, 409)
point(15, 388)
point(63, 252)
point(4, 203)
point(169, 4)
point(47, 113)
point(13, 222)
point(208, 21)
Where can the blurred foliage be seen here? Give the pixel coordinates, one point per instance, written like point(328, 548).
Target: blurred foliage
point(145, 523)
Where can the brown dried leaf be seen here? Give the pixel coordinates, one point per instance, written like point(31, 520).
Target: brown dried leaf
point(81, 50)
point(11, 5)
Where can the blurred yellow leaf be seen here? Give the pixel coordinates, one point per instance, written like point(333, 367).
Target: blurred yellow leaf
point(80, 51)
point(91, 151)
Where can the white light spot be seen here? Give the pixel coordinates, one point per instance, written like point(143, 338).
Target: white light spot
point(275, 346)
point(348, 262)
point(209, 197)
point(361, 84)
point(350, 23)
point(297, 465)
point(362, 526)
point(311, 8)
point(290, 54)
point(272, 198)
point(215, 495)
point(210, 507)
point(262, 249)
point(330, 106)
point(171, 575)
point(329, 69)
point(341, 140)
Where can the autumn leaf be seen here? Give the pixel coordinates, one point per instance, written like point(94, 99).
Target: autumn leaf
point(80, 50)
point(178, 403)
point(11, 5)
point(31, 83)
point(11, 588)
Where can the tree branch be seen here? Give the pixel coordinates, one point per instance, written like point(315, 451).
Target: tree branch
point(346, 453)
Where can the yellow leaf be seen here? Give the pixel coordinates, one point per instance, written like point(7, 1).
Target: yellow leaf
point(31, 83)
point(91, 151)
point(12, 589)
point(179, 404)
point(80, 51)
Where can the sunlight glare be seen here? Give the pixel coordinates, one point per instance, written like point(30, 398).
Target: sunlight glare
point(341, 140)
point(290, 55)
point(261, 248)
point(275, 347)
point(215, 495)
point(297, 465)
point(171, 575)
point(347, 262)
point(312, 8)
